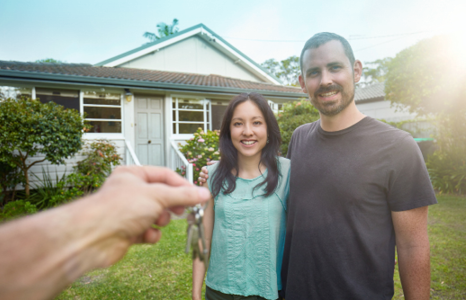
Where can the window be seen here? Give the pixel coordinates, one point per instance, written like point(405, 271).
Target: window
point(189, 115)
point(218, 111)
point(14, 92)
point(67, 98)
point(103, 111)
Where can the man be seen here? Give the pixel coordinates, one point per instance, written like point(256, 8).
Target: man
point(41, 254)
point(357, 188)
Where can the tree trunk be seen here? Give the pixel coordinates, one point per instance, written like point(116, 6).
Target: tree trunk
point(26, 186)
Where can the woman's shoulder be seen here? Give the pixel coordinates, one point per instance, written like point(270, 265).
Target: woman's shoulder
point(284, 164)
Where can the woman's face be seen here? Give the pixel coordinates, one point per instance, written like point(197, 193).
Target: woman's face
point(248, 130)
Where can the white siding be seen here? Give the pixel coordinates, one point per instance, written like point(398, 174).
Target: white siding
point(59, 170)
point(192, 55)
point(383, 110)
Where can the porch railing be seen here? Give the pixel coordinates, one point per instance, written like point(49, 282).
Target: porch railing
point(130, 156)
point(177, 160)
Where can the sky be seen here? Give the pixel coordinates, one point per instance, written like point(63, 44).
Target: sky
point(90, 31)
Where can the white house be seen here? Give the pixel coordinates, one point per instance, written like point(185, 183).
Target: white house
point(151, 97)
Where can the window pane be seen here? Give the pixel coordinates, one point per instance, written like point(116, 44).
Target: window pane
point(66, 98)
point(191, 116)
point(191, 104)
point(102, 112)
point(101, 98)
point(190, 128)
point(105, 126)
point(174, 128)
point(14, 92)
point(174, 116)
point(217, 116)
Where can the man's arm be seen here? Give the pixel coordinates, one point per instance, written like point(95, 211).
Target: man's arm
point(41, 254)
point(413, 249)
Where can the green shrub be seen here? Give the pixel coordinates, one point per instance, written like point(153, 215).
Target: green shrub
point(15, 209)
point(447, 166)
point(200, 149)
point(31, 127)
point(294, 114)
point(10, 177)
point(90, 173)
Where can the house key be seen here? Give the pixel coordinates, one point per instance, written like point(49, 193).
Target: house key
point(196, 236)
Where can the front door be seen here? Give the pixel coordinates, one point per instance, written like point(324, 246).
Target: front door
point(149, 130)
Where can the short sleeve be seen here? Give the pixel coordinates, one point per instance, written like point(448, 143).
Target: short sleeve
point(211, 171)
point(409, 184)
point(283, 188)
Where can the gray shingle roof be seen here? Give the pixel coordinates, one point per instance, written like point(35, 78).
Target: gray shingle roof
point(374, 91)
point(141, 75)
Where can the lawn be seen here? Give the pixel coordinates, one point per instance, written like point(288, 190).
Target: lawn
point(163, 271)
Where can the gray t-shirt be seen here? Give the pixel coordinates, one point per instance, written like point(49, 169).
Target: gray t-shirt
point(340, 241)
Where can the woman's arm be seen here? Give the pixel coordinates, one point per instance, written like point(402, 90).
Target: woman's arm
point(198, 266)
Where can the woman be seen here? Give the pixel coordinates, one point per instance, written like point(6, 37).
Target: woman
point(245, 219)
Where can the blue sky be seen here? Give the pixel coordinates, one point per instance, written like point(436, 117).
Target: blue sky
point(89, 31)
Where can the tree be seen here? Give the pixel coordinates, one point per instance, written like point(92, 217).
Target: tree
point(287, 70)
point(430, 79)
point(49, 60)
point(375, 72)
point(163, 31)
point(30, 127)
point(294, 114)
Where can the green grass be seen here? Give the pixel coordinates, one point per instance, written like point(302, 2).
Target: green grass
point(163, 271)
point(160, 271)
point(447, 235)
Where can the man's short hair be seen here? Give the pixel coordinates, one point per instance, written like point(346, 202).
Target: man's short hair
point(321, 38)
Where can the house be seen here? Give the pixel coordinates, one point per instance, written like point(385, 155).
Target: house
point(371, 102)
point(150, 98)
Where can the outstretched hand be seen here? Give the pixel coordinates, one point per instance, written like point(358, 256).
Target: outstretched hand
point(135, 198)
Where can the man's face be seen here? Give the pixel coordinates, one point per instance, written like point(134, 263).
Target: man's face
point(328, 77)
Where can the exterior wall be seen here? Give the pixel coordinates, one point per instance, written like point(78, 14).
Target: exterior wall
point(382, 110)
point(192, 55)
point(36, 172)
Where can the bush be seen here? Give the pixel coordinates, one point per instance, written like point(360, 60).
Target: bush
point(447, 166)
point(294, 115)
point(200, 149)
point(31, 127)
point(91, 172)
point(10, 176)
point(15, 209)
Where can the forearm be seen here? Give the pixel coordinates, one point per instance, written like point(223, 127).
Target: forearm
point(40, 255)
point(414, 268)
point(198, 278)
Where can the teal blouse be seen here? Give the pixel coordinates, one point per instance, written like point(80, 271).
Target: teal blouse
point(248, 237)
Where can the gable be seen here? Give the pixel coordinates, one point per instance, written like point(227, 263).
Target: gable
point(192, 55)
point(210, 38)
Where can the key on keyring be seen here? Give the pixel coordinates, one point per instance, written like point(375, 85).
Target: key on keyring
point(196, 234)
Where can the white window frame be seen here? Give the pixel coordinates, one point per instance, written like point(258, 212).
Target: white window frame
point(207, 108)
point(100, 135)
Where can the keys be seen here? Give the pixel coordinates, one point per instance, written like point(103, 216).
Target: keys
point(196, 237)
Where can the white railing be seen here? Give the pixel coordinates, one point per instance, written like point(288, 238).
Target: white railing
point(177, 160)
point(130, 156)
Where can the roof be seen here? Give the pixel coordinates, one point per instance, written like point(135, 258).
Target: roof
point(86, 73)
point(372, 92)
point(200, 30)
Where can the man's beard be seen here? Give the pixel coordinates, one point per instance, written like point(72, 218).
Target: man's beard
point(332, 108)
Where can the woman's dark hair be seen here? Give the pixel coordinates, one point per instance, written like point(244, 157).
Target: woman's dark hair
point(223, 178)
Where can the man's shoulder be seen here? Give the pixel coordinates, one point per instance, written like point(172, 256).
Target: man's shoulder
point(384, 130)
point(305, 128)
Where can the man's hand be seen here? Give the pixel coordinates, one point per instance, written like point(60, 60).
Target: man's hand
point(204, 173)
point(134, 198)
point(41, 254)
